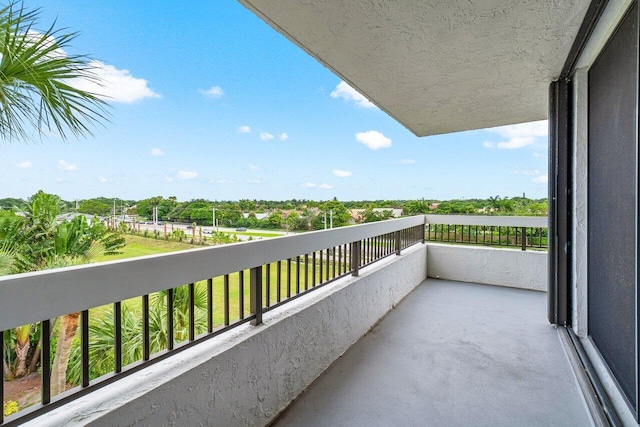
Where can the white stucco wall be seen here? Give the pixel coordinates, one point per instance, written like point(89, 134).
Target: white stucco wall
point(247, 376)
point(503, 267)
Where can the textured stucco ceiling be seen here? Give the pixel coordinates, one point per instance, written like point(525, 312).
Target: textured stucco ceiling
point(437, 66)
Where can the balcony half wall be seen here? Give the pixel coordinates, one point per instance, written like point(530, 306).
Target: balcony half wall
point(250, 374)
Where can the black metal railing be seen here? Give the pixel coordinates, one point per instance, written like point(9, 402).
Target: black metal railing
point(127, 335)
point(488, 235)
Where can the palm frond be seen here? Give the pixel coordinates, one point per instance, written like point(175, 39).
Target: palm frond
point(36, 80)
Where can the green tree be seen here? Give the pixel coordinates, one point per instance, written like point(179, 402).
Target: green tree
point(415, 207)
point(275, 220)
point(37, 241)
point(94, 207)
point(36, 76)
point(333, 208)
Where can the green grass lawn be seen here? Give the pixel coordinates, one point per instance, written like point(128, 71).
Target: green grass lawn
point(139, 246)
point(255, 234)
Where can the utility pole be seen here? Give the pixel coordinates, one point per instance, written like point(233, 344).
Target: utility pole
point(214, 219)
point(331, 218)
point(325, 220)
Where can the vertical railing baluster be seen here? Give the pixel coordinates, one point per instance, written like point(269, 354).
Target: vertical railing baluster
point(210, 305)
point(279, 280)
point(170, 319)
point(297, 274)
point(84, 343)
point(255, 294)
point(226, 300)
point(539, 237)
point(339, 260)
point(523, 237)
point(327, 264)
point(320, 266)
point(355, 258)
point(192, 312)
point(145, 327)
point(333, 261)
point(117, 337)
point(313, 269)
point(268, 285)
point(289, 278)
point(398, 242)
point(363, 252)
point(45, 363)
point(241, 294)
point(306, 271)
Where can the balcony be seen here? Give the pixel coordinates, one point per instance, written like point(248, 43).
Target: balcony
point(450, 354)
point(460, 351)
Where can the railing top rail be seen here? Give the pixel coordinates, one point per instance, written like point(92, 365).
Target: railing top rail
point(51, 293)
point(486, 220)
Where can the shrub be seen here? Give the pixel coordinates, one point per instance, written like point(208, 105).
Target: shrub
point(9, 407)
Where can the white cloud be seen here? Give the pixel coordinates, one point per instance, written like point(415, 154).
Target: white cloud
point(187, 174)
point(168, 179)
point(115, 85)
point(343, 90)
point(534, 129)
point(325, 186)
point(308, 185)
point(102, 179)
point(253, 167)
point(67, 167)
point(244, 129)
point(156, 152)
point(540, 155)
point(25, 165)
point(406, 162)
point(537, 176)
point(373, 139)
point(341, 174)
point(254, 181)
point(224, 181)
point(283, 136)
point(213, 92)
point(518, 136)
point(514, 143)
point(266, 136)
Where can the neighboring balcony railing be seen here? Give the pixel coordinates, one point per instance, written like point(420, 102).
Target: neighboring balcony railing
point(154, 306)
point(499, 231)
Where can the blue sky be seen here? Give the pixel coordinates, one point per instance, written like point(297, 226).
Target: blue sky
point(209, 102)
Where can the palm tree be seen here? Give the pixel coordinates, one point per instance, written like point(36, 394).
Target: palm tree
point(38, 241)
point(75, 242)
point(37, 77)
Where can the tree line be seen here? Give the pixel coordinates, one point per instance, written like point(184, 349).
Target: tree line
point(292, 214)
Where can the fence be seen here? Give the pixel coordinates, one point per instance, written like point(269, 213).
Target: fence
point(504, 231)
point(137, 311)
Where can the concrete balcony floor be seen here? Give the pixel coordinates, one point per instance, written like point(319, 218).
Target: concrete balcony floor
point(450, 354)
